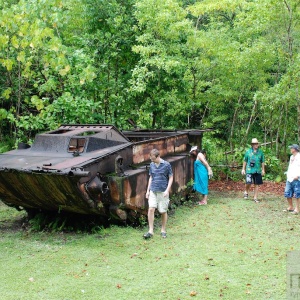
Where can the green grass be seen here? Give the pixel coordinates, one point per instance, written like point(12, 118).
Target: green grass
point(229, 249)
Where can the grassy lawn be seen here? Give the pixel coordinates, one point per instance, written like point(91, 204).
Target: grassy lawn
point(229, 249)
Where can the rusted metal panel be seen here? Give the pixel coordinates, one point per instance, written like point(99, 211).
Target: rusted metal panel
point(130, 191)
point(92, 169)
point(165, 145)
point(48, 192)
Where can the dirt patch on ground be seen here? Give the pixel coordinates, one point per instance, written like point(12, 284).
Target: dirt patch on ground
point(15, 224)
point(267, 187)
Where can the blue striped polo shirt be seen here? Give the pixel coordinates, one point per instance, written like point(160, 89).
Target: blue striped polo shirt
point(160, 176)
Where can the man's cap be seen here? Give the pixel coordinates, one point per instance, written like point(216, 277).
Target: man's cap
point(194, 148)
point(254, 141)
point(294, 146)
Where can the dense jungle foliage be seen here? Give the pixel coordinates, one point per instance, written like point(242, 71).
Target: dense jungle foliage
point(230, 64)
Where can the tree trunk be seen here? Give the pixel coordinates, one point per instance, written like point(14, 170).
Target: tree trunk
point(233, 123)
point(298, 112)
point(251, 120)
point(289, 30)
point(285, 127)
point(19, 91)
point(203, 115)
point(106, 97)
point(278, 131)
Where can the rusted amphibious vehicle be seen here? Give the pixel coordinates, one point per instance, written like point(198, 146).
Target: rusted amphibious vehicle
point(92, 169)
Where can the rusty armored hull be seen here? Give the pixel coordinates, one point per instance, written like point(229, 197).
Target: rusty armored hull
point(92, 169)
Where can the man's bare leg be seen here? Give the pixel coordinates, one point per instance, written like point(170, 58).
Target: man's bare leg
point(297, 205)
point(164, 218)
point(247, 189)
point(290, 202)
point(151, 211)
point(255, 192)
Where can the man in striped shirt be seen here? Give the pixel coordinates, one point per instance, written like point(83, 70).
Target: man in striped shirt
point(159, 186)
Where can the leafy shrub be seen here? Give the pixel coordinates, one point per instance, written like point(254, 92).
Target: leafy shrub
point(274, 167)
point(6, 145)
point(228, 166)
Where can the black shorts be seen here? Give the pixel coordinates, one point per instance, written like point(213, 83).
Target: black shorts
point(255, 178)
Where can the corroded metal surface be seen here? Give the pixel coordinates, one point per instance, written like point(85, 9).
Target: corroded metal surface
point(92, 169)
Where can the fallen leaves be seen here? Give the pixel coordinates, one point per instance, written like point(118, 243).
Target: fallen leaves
point(193, 293)
point(267, 187)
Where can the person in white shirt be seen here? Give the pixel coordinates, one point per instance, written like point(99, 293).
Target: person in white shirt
point(292, 187)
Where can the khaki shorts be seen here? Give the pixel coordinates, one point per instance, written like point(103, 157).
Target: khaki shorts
point(157, 200)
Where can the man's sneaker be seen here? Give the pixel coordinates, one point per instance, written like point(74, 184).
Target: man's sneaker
point(147, 235)
point(288, 210)
point(256, 201)
point(245, 195)
point(163, 235)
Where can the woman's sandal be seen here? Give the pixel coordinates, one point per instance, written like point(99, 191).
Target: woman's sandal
point(202, 203)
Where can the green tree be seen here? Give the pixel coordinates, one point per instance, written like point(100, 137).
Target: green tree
point(110, 38)
point(159, 76)
point(240, 60)
point(37, 67)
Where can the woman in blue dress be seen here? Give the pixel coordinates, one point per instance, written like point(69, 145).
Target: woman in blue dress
point(202, 172)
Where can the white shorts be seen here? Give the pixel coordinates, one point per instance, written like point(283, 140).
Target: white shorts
point(157, 200)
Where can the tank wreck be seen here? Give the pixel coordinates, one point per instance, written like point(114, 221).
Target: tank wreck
point(92, 169)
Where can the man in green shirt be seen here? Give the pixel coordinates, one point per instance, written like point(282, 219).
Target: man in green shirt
point(253, 168)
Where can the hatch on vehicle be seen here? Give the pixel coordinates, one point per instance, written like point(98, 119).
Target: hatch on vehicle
point(78, 138)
